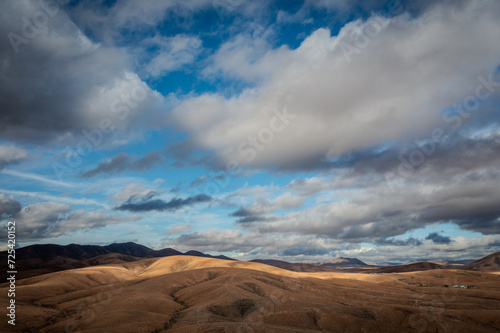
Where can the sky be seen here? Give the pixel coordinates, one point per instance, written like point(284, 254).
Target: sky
point(293, 130)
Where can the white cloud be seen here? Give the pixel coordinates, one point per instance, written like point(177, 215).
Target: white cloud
point(221, 240)
point(174, 53)
point(177, 229)
point(10, 154)
point(62, 199)
point(398, 82)
point(36, 177)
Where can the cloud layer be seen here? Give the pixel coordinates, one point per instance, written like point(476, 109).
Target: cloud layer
point(397, 79)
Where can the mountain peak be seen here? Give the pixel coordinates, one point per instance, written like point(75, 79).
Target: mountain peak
point(343, 262)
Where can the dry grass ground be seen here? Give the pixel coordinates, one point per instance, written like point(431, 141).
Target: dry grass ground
point(193, 294)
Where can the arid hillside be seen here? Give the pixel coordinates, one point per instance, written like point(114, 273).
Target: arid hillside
point(196, 294)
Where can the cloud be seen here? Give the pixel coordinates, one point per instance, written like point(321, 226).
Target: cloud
point(257, 210)
point(173, 54)
point(210, 177)
point(131, 190)
point(305, 252)
point(148, 203)
point(177, 229)
point(37, 177)
point(399, 241)
point(10, 154)
point(221, 240)
point(399, 82)
point(357, 203)
point(123, 162)
point(53, 219)
point(75, 84)
point(9, 207)
point(385, 209)
point(437, 238)
point(288, 247)
point(128, 14)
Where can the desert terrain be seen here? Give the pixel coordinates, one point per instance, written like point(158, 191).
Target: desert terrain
point(183, 293)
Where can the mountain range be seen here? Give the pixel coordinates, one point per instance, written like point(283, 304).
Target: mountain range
point(47, 258)
point(41, 259)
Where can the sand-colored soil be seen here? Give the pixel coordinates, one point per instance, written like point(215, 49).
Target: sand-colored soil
point(193, 294)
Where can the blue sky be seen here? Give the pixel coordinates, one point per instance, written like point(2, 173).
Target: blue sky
point(295, 130)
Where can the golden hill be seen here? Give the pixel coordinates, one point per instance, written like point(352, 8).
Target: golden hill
point(196, 294)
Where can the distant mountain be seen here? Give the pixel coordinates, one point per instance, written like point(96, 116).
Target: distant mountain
point(413, 267)
point(490, 263)
point(343, 263)
point(384, 263)
point(338, 264)
point(296, 267)
point(200, 254)
point(131, 249)
point(444, 262)
point(47, 258)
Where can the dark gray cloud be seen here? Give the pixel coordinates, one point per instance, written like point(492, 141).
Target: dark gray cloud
point(454, 153)
point(56, 83)
point(242, 212)
point(148, 203)
point(123, 162)
point(9, 207)
point(438, 239)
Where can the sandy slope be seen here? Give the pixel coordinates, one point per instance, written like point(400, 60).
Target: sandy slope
point(193, 294)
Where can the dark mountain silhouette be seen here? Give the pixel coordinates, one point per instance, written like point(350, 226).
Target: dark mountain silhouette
point(47, 258)
point(131, 249)
point(201, 254)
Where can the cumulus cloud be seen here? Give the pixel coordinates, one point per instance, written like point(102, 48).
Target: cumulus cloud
point(123, 162)
point(292, 247)
point(53, 219)
point(10, 154)
point(177, 229)
point(400, 81)
point(248, 242)
point(57, 83)
point(365, 199)
point(256, 210)
point(148, 203)
point(9, 206)
point(399, 241)
point(133, 189)
point(173, 54)
point(388, 209)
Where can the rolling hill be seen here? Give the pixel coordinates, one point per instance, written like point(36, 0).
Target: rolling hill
point(198, 294)
point(490, 263)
